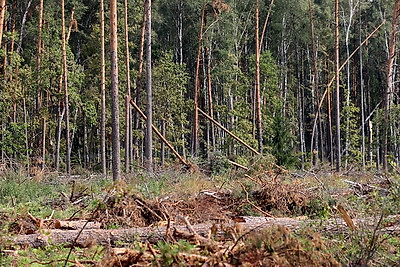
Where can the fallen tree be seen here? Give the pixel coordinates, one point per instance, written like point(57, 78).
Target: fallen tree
point(238, 227)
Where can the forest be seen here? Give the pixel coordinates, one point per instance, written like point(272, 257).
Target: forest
point(265, 108)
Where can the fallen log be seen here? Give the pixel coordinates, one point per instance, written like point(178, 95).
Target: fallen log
point(76, 225)
point(242, 226)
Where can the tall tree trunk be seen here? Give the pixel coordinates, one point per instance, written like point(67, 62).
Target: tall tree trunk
point(22, 30)
point(103, 93)
point(195, 138)
point(39, 96)
point(139, 82)
point(162, 143)
point(26, 133)
point(389, 83)
point(2, 16)
point(128, 128)
point(66, 96)
point(316, 86)
point(257, 82)
point(180, 31)
point(265, 24)
point(210, 98)
point(61, 113)
point(116, 159)
point(337, 88)
point(148, 149)
point(347, 39)
point(362, 93)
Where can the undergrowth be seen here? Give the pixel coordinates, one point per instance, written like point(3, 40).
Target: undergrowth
point(313, 196)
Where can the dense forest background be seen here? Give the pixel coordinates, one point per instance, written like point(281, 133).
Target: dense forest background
point(265, 70)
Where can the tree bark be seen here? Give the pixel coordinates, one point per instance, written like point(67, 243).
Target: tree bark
point(148, 149)
point(139, 82)
point(257, 82)
point(66, 95)
point(362, 92)
point(210, 98)
point(195, 138)
point(22, 30)
point(316, 86)
point(76, 225)
point(103, 92)
point(128, 128)
point(337, 88)
point(116, 159)
point(389, 83)
point(2, 16)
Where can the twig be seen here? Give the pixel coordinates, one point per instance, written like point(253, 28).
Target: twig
point(372, 245)
point(241, 237)
point(318, 180)
point(254, 180)
point(188, 225)
point(149, 209)
point(73, 244)
point(48, 263)
point(51, 216)
point(151, 249)
point(367, 185)
point(254, 205)
point(79, 200)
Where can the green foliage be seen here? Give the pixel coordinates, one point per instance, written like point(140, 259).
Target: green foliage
point(13, 140)
point(351, 134)
point(171, 253)
point(282, 142)
point(51, 256)
point(219, 164)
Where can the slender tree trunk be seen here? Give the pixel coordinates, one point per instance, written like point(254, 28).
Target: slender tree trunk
point(162, 143)
point(103, 93)
point(180, 32)
point(257, 82)
point(265, 24)
point(116, 159)
point(39, 96)
point(58, 141)
point(389, 83)
point(2, 16)
point(337, 88)
point(195, 138)
point(348, 90)
point(300, 112)
point(85, 143)
point(26, 133)
point(128, 128)
point(362, 93)
point(66, 95)
point(22, 30)
point(139, 81)
point(316, 85)
point(210, 98)
point(148, 149)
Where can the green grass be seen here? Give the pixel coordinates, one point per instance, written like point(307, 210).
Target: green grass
point(23, 194)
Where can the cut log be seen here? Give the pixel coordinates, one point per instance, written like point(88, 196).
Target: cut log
point(76, 225)
point(246, 225)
